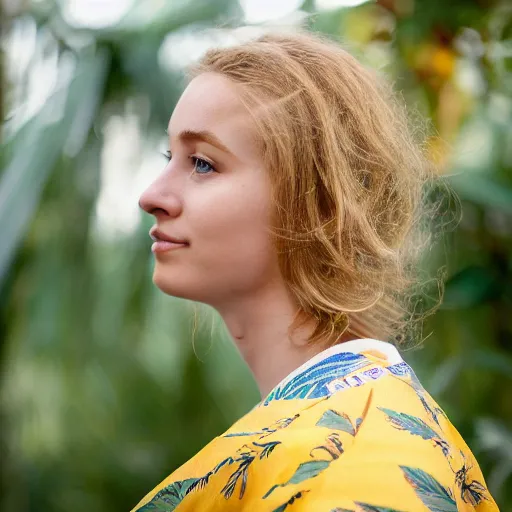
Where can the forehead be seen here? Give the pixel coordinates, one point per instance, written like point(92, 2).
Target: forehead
point(212, 102)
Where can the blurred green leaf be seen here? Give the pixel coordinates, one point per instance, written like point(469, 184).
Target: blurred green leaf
point(66, 117)
point(469, 287)
point(483, 191)
point(328, 22)
point(102, 372)
point(496, 438)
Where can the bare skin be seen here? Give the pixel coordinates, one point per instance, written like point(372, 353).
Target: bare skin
point(215, 194)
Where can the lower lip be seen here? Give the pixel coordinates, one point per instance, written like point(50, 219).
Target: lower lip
point(164, 246)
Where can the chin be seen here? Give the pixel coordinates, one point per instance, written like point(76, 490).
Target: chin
point(170, 286)
point(177, 285)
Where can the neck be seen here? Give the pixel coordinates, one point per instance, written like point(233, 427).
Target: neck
point(259, 327)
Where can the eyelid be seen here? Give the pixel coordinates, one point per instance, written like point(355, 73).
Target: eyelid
point(195, 158)
point(199, 157)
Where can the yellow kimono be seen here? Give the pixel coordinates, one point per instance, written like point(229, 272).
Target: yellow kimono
point(350, 430)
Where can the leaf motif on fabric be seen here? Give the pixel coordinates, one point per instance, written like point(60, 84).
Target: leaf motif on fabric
point(336, 421)
point(168, 498)
point(202, 482)
point(434, 496)
point(312, 468)
point(305, 471)
point(416, 427)
point(412, 380)
point(239, 474)
point(312, 382)
point(248, 453)
point(266, 431)
point(268, 448)
point(365, 507)
point(291, 501)
point(172, 495)
point(221, 464)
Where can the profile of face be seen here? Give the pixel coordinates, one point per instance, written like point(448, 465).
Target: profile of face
point(214, 194)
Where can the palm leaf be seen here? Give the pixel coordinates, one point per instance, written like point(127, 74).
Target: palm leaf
point(337, 421)
point(365, 507)
point(25, 175)
point(245, 434)
point(305, 471)
point(227, 461)
point(229, 488)
point(312, 382)
point(241, 472)
point(268, 448)
point(169, 497)
point(243, 476)
point(416, 427)
point(308, 470)
point(201, 482)
point(433, 495)
point(266, 431)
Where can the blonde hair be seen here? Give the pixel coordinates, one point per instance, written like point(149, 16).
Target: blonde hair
point(347, 177)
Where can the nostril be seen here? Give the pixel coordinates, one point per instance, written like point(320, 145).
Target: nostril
point(156, 211)
point(160, 203)
point(149, 207)
point(146, 204)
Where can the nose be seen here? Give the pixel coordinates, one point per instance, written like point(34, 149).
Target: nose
point(160, 200)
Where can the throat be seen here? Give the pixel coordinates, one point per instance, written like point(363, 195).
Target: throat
point(271, 361)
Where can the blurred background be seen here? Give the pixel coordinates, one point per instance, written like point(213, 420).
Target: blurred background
point(106, 385)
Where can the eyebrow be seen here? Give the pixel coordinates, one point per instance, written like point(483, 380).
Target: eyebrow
point(203, 136)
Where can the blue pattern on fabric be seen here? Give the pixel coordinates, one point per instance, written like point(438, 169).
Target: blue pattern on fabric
point(312, 382)
point(400, 369)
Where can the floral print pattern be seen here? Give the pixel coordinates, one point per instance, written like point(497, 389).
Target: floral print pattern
point(352, 430)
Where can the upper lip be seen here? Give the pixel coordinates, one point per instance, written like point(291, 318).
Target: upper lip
point(158, 235)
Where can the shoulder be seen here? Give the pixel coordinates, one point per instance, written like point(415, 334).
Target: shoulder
point(385, 444)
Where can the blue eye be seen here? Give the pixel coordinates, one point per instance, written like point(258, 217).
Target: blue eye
point(202, 166)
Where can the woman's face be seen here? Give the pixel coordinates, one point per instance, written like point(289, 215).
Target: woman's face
point(214, 194)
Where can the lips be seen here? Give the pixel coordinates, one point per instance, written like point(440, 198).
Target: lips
point(158, 236)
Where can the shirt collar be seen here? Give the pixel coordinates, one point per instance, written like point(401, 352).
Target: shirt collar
point(308, 381)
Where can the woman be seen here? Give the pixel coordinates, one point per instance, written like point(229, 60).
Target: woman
point(292, 204)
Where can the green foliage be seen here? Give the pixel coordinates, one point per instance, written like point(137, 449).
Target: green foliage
point(103, 394)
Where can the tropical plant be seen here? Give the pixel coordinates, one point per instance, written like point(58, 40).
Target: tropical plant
point(103, 393)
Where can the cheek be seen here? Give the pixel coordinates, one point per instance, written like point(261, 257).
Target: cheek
point(235, 226)
point(232, 238)
point(231, 250)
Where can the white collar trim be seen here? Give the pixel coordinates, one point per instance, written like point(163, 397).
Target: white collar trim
point(353, 346)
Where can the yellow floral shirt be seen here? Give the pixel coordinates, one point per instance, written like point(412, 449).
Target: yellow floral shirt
point(350, 430)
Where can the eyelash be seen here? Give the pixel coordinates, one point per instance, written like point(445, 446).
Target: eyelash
point(195, 161)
